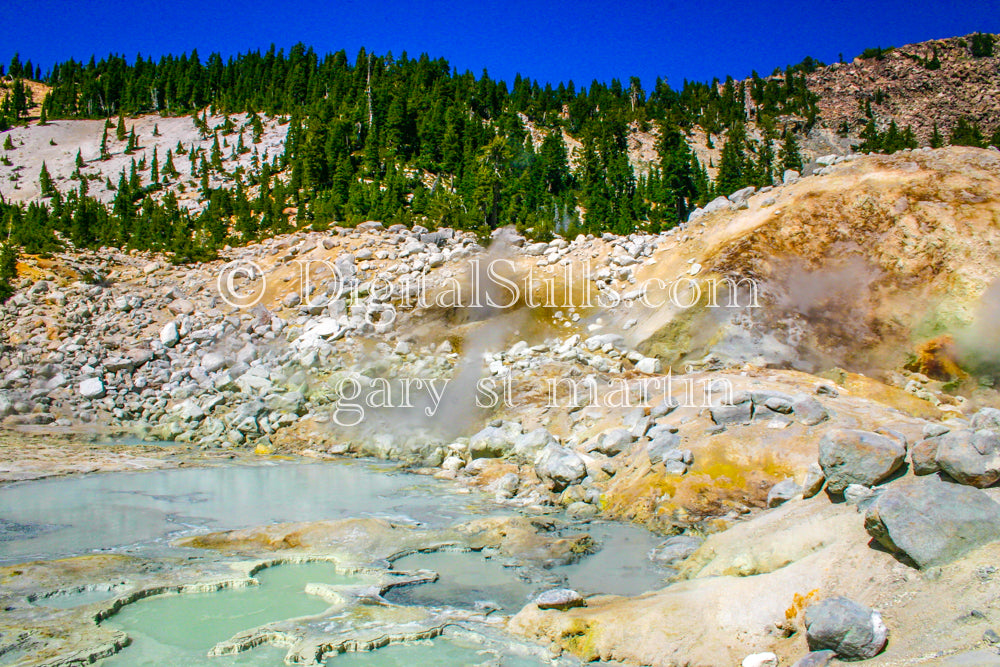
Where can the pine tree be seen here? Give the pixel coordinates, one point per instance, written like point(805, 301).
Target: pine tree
point(789, 153)
point(967, 133)
point(45, 181)
point(982, 45)
point(120, 131)
point(154, 172)
point(8, 269)
point(104, 144)
point(132, 143)
point(872, 139)
point(79, 160)
point(732, 163)
point(43, 119)
point(156, 129)
point(216, 154)
point(256, 127)
point(937, 141)
point(8, 145)
point(168, 166)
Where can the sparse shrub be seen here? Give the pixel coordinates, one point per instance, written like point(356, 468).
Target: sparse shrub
point(982, 45)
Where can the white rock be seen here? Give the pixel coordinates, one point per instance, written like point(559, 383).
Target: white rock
point(760, 660)
point(92, 388)
point(212, 362)
point(717, 204)
point(169, 335)
point(649, 365)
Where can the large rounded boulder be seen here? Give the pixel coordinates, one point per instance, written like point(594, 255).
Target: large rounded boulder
point(849, 456)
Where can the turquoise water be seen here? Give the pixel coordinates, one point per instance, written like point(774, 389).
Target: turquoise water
point(144, 510)
point(183, 628)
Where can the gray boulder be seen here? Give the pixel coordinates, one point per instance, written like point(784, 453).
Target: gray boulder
point(527, 445)
point(986, 418)
point(970, 457)
point(718, 204)
point(213, 361)
point(732, 414)
point(560, 467)
point(782, 492)
point(807, 410)
point(494, 441)
point(851, 630)
point(933, 521)
point(741, 196)
point(615, 441)
point(816, 659)
point(115, 364)
point(560, 598)
point(664, 447)
point(923, 456)
point(814, 481)
point(772, 401)
point(849, 456)
point(664, 407)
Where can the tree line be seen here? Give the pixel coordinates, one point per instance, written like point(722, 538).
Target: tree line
point(404, 140)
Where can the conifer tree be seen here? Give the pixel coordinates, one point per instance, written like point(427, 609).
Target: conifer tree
point(8, 145)
point(256, 127)
point(967, 133)
point(104, 144)
point(872, 140)
point(732, 163)
point(154, 171)
point(8, 268)
point(937, 141)
point(45, 181)
point(79, 160)
point(168, 166)
point(216, 154)
point(120, 131)
point(789, 153)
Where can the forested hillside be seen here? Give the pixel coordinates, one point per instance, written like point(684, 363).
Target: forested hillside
point(395, 139)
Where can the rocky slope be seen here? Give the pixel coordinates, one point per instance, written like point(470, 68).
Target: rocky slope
point(899, 87)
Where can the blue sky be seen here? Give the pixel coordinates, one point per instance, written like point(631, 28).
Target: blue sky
point(552, 41)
